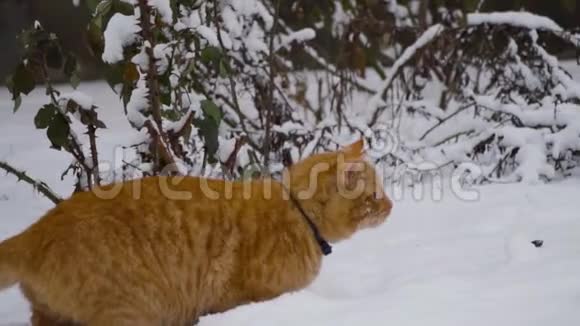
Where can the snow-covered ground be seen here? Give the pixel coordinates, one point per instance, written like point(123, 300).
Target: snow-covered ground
point(446, 262)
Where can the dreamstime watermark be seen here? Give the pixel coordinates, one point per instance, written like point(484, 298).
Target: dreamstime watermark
point(349, 179)
point(428, 181)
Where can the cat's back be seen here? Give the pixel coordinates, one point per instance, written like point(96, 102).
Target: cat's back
point(153, 236)
point(154, 201)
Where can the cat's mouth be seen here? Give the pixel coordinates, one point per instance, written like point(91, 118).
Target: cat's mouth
point(372, 221)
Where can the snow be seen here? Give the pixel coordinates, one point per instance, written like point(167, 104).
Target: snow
point(226, 148)
point(163, 7)
point(340, 19)
point(83, 100)
point(162, 53)
point(572, 87)
point(428, 36)
point(251, 7)
point(121, 31)
point(139, 103)
point(141, 59)
point(209, 35)
point(448, 261)
point(300, 36)
point(401, 12)
point(514, 18)
point(566, 139)
point(534, 115)
point(290, 127)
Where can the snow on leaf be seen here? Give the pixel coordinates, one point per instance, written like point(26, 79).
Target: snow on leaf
point(162, 53)
point(83, 100)
point(121, 31)
point(139, 103)
point(232, 22)
point(209, 35)
point(300, 36)
point(163, 7)
point(514, 18)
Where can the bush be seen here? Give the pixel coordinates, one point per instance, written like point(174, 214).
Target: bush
point(219, 88)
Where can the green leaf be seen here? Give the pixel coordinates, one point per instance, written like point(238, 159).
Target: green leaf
point(122, 7)
point(114, 75)
point(44, 116)
point(224, 71)
point(208, 130)
point(54, 57)
point(92, 4)
point(102, 7)
point(94, 37)
point(17, 103)
point(470, 5)
point(211, 54)
point(75, 81)
point(9, 82)
point(58, 132)
point(70, 65)
point(130, 73)
point(22, 81)
point(165, 98)
point(211, 110)
point(171, 115)
point(100, 124)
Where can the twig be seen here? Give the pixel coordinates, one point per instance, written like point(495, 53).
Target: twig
point(480, 5)
point(328, 67)
point(461, 109)
point(152, 80)
point(160, 139)
point(230, 163)
point(428, 37)
point(457, 135)
point(232, 83)
point(76, 147)
point(39, 186)
point(270, 102)
point(159, 146)
point(91, 132)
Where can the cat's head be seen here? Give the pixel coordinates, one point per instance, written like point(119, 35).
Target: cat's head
point(344, 189)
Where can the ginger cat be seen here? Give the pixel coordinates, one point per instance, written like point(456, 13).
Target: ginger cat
point(144, 257)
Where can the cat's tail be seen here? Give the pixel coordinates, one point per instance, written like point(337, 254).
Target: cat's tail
point(9, 263)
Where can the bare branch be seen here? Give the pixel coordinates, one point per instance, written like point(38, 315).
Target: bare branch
point(152, 80)
point(480, 5)
point(270, 97)
point(461, 109)
point(159, 146)
point(39, 186)
point(91, 132)
point(75, 144)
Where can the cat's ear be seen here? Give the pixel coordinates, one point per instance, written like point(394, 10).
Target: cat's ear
point(356, 149)
point(353, 171)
